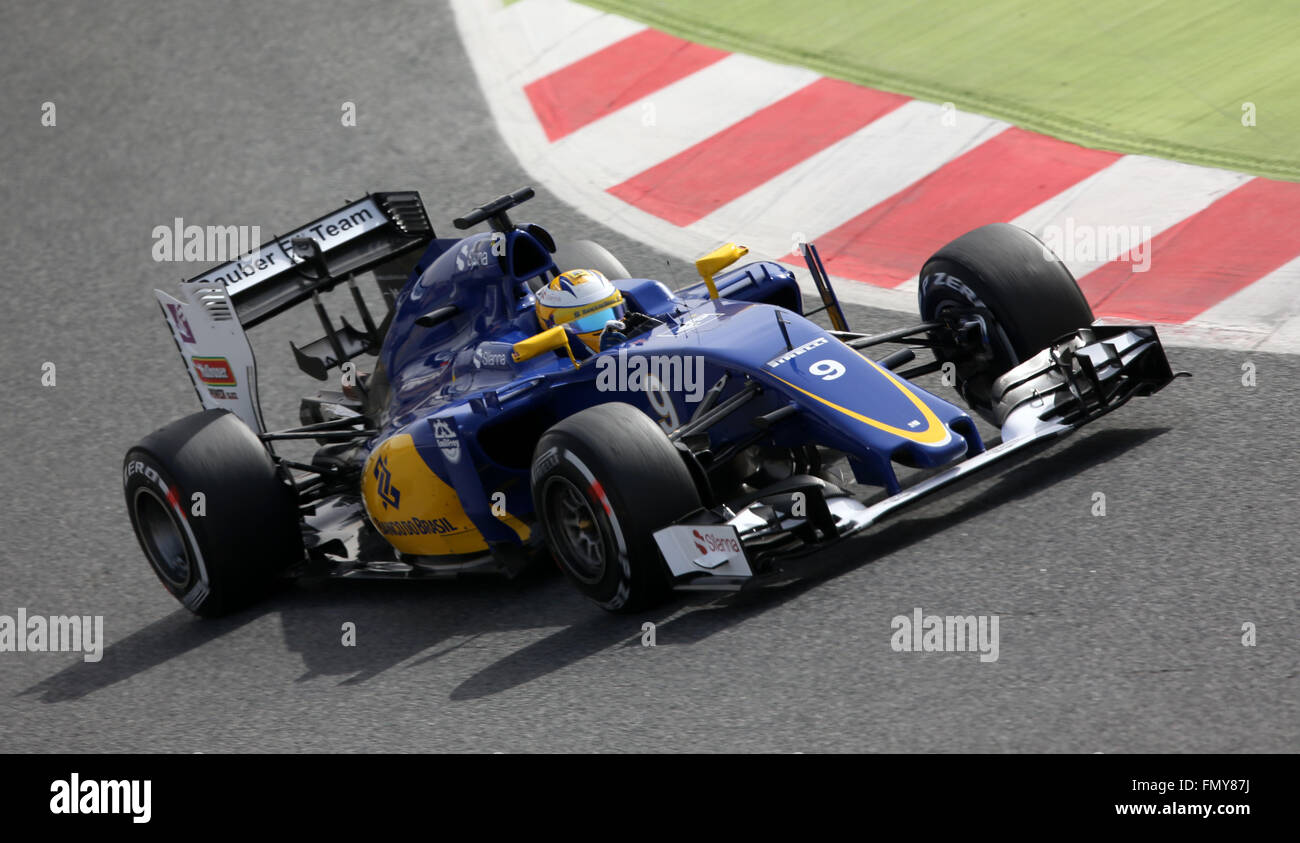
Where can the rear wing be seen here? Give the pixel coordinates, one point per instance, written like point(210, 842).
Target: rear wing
point(209, 313)
point(353, 239)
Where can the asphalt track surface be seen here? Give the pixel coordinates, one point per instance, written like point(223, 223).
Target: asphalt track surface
point(1118, 633)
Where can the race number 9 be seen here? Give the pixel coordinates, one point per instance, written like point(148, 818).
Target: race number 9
point(662, 403)
point(827, 370)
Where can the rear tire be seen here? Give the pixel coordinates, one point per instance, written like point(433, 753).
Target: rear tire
point(1023, 294)
point(603, 480)
point(227, 549)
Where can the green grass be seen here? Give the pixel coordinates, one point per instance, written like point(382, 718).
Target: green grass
point(1159, 77)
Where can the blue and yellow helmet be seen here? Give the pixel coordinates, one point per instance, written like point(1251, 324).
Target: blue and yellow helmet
point(582, 300)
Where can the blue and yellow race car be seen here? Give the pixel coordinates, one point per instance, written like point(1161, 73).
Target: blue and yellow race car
point(526, 399)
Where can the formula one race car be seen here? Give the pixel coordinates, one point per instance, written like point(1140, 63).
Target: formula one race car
point(646, 440)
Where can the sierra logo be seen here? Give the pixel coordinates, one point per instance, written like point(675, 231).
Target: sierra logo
point(491, 356)
point(709, 543)
point(214, 371)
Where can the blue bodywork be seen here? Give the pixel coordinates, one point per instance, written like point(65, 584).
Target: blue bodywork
point(461, 373)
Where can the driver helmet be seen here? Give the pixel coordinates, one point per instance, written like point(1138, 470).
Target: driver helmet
point(582, 300)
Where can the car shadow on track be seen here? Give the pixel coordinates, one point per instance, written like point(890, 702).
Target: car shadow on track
point(396, 621)
point(391, 622)
point(159, 642)
point(1026, 476)
point(684, 624)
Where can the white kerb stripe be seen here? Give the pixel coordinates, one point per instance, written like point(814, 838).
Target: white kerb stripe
point(1270, 304)
point(1135, 191)
point(634, 138)
point(848, 177)
point(553, 34)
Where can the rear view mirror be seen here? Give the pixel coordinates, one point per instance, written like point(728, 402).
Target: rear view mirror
point(716, 261)
point(551, 339)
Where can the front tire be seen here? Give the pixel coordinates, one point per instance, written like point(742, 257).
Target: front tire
point(1020, 294)
point(216, 521)
point(603, 480)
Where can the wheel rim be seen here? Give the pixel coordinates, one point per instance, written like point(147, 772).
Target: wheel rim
point(575, 530)
point(976, 387)
point(162, 539)
point(998, 343)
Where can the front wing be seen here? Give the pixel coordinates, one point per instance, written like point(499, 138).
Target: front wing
point(1077, 379)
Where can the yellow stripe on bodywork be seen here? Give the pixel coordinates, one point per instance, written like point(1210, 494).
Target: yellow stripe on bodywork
point(521, 529)
point(933, 434)
point(423, 499)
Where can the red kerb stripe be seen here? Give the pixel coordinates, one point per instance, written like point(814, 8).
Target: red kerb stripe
point(698, 181)
point(1199, 262)
point(996, 181)
point(609, 79)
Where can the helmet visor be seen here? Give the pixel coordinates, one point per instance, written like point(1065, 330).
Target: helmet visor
point(593, 321)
